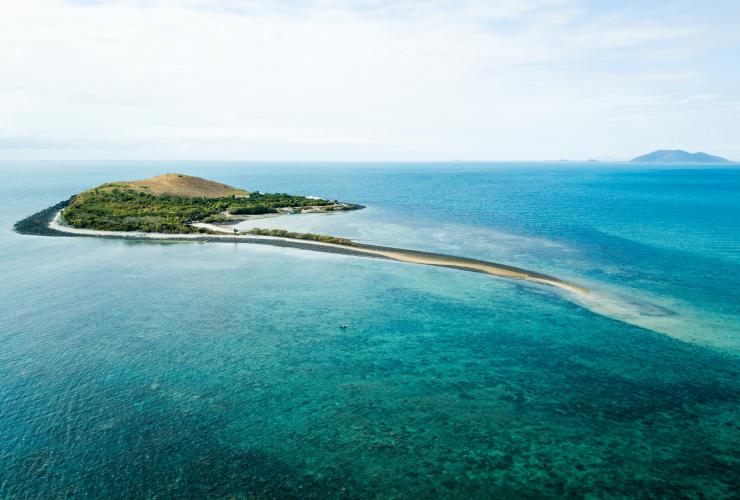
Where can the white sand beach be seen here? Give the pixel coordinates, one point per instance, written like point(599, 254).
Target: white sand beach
point(226, 233)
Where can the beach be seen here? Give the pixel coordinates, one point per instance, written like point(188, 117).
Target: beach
point(357, 249)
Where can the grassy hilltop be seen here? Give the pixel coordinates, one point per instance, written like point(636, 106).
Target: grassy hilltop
point(169, 203)
point(181, 185)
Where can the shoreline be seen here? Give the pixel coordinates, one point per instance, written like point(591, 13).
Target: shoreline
point(47, 223)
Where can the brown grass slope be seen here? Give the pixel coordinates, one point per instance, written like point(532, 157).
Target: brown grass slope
point(182, 185)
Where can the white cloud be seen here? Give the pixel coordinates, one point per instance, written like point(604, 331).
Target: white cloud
point(364, 80)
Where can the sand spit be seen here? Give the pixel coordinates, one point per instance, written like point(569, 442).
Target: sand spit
point(389, 253)
point(481, 266)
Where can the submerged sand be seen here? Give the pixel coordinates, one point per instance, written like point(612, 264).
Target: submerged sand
point(390, 253)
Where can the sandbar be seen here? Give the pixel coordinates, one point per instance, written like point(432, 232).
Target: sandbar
point(56, 227)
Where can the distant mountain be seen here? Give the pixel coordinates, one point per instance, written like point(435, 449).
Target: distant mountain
point(679, 156)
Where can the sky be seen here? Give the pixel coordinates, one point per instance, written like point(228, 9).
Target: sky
point(367, 80)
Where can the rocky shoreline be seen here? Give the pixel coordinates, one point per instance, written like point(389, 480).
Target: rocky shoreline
point(38, 223)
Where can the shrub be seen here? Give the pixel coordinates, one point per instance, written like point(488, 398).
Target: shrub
point(282, 233)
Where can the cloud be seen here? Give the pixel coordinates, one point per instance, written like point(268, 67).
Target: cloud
point(363, 80)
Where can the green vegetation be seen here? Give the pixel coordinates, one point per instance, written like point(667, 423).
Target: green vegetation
point(216, 219)
point(253, 210)
point(123, 207)
point(275, 200)
point(282, 233)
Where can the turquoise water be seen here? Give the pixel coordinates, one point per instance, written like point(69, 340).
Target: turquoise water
point(208, 370)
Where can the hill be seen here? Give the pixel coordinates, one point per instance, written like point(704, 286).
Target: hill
point(171, 203)
point(182, 185)
point(679, 156)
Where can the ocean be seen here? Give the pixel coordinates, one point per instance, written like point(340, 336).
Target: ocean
point(212, 370)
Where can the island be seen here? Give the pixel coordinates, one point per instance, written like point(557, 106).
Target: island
point(178, 207)
point(679, 156)
point(177, 203)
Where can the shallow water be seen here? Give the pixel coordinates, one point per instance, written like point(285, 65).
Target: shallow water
point(199, 369)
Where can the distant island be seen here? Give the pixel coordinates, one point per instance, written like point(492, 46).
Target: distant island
point(177, 207)
point(679, 156)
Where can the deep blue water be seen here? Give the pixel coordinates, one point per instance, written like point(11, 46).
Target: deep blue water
point(208, 370)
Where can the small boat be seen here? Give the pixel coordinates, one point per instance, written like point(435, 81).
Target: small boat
point(343, 326)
